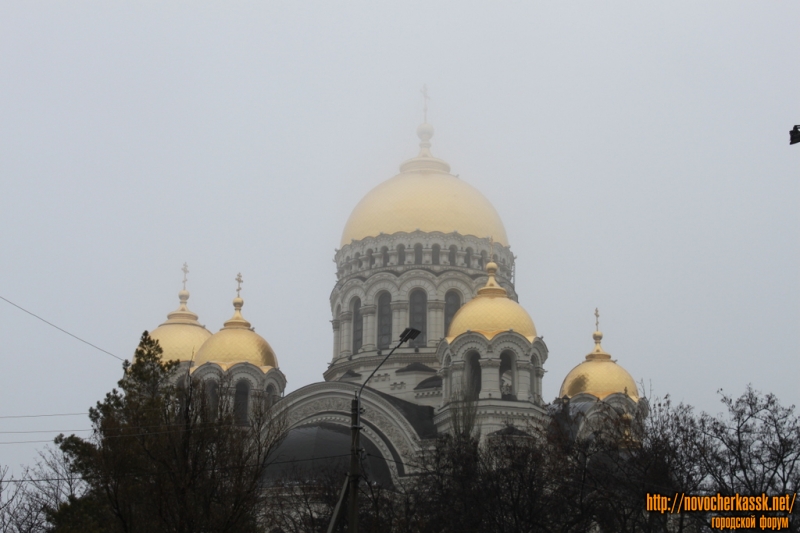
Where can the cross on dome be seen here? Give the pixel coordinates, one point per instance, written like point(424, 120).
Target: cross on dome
point(185, 270)
point(239, 281)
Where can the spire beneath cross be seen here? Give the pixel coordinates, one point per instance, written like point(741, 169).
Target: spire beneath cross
point(596, 319)
point(185, 271)
point(239, 282)
point(425, 99)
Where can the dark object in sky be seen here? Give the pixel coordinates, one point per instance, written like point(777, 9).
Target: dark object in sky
point(794, 135)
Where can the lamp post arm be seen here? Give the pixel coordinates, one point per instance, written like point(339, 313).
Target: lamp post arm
point(377, 367)
point(407, 335)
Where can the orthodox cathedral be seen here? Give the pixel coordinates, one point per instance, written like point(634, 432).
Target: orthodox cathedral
point(426, 250)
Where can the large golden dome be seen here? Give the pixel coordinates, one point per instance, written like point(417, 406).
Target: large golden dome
point(492, 312)
point(599, 376)
point(425, 197)
point(181, 336)
point(237, 343)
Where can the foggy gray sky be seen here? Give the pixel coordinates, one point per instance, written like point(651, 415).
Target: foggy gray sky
point(637, 153)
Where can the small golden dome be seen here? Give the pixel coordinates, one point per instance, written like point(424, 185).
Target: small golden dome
point(492, 312)
point(425, 197)
point(599, 376)
point(237, 343)
point(181, 336)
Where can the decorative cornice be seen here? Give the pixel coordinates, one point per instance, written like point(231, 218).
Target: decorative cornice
point(437, 305)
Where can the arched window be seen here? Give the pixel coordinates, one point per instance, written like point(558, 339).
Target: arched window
point(452, 255)
point(473, 376)
point(384, 256)
point(371, 258)
point(357, 259)
point(384, 320)
point(418, 305)
point(358, 325)
point(417, 254)
point(241, 401)
point(452, 303)
point(482, 261)
point(468, 258)
point(435, 251)
point(212, 398)
point(272, 395)
point(401, 254)
point(508, 387)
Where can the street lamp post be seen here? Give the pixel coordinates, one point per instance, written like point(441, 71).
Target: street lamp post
point(351, 485)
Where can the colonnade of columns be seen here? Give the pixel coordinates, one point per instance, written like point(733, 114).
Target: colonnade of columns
point(526, 380)
point(343, 326)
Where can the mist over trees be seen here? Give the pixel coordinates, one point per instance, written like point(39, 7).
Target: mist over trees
point(546, 481)
point(166, 455)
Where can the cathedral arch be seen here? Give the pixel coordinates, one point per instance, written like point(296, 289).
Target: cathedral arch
point(468, 258)
point(358, 324)
point(271, 395)
point(461, 283)
point(472, 375)
point(418, 315)
point(452, 303)
point(384, 320)
point(417, 280)
point(211, 387)
point(379, 283)
point(241, 402)
point(508, 375)
point(417, 254)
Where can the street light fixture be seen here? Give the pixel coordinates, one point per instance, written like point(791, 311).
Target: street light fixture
point(351, 483)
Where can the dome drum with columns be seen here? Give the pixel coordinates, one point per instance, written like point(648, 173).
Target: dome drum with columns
point(423, 249)
point(414, 250)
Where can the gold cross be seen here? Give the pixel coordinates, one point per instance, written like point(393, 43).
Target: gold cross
point(596, 319)
point(239, 281)
point(185, 270)
point(425, 98)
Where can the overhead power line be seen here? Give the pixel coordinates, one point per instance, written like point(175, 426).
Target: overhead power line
point(144, 474)
point(61, 329)
point(41, 416)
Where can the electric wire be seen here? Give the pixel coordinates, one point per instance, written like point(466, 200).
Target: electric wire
point(60, 329)
point(41, 416)
point(141, 434)
point(79, 478)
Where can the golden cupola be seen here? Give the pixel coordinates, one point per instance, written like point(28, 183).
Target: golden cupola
point(237, 342)
point(599, 375)
point(424, 197)
point(181, 336)
point(492, 312)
